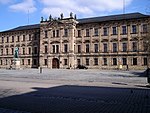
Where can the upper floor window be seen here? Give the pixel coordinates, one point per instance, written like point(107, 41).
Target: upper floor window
point(6, 51)
point(29, 50)
point(105, 31)
point(79, 33)
point(46, 34)
point(57, 33)
point(134, 29)
point(35, 50)
point(87, 48)
point(7, 39)
point(12, 51)
point(124, 30)
point(53, 33)
point(24, 37)
point(2, 39)
point(12, 38)
point(114, 47)
point(65, 32)
point(30, 38)
point(96, 48)
point(65, 48)
point(57, 48)
point(46, 49)
point(114, 30)
point(18, 38)
point(53, 46)
point(124, 47)
point(105, 47)
point(87, 32)
point(96, 32)
point(23, 49)
point(1, 51)
point(134, 46)
point(144, 28)
point(79, 48)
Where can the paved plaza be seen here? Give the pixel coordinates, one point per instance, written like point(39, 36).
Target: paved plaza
point(73, 91)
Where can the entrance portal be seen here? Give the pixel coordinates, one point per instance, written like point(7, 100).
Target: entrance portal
point(55, 63)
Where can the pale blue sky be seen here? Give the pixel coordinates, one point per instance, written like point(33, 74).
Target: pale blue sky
point(14, 13)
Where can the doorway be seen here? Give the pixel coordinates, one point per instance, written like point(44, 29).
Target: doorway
point(55, 63)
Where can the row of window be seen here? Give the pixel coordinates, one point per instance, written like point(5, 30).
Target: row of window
point(124, 30)
point(35, 51)
point(22, 62)
point(18, 38)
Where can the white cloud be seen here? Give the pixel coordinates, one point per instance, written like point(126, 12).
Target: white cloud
point(81, 7)
point(25, 6)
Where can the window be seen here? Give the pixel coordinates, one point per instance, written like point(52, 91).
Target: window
point(78, 62)
point(53, 33)
point(6, 62)
point(34, 61)
point(29, 61)
point(45, 34)
point(35, 50)
point(134, 61)
point(29, 50)
point(1, 62)
point(105, 61)
point(114, 47)
point(45, 61)
point(57, 33)
point(65, 48)
point(96, 48)
point(124, 61)
point(24, 37)
point(6, 51)
point(87, 61)
point(57, 48)
point(23, 49)
point(1, 51)
point(124, 47)
point(12, 38)
point(2, 39)
point(65, 62)
point(87, 48)
point(87, 32)
point(22, 61)
point(18, 38)
point(79, 33)
point(53, 48)
point(45, 49)
point(134, 46)
point(30, 37)
point(105, 47)
point(65, 32)
point(105, 31)
point(36, 36)
point(7, 39)
point(114, 30)
point(79, 48)
point(12, 51)
point(114, 61)
point(134, 29)
point(144, 28)
point(124, 30)
point(95, 61)
point(96, 31)
point(145, 61)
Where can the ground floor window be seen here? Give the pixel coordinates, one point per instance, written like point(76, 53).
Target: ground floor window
point(65, 62)
point(95, 61)
point(134, 61)
point(6, 62)
point(114, 61)
point(87, 61)
point(28, 61)
point(78, 61)
point(34, 62)
point(105, 61)
point(124, 61)
point(1, 62)
point(22, 61)
point(45, 61)
point(145, 61)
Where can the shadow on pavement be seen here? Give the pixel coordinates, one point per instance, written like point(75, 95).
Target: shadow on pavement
point(80, 99)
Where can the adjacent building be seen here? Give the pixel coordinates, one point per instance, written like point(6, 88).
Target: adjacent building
point(108, 42)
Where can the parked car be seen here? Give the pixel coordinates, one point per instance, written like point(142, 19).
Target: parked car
point(81, 67)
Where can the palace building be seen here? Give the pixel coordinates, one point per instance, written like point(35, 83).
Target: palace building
point(106, 42)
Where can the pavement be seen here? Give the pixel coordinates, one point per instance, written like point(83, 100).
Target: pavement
point(73, 91)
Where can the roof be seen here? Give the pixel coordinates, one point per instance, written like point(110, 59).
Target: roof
point(90, 20)
point(113, 18)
